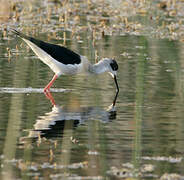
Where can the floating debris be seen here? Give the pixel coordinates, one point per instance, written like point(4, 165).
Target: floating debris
point(147, 168)
point(51, 154)
point(130, 171)
point(75, 141)
point(128, 165)
point(93, 153)
point(29, 90)
point(173, 176)
point(121, 173)
point(163, 158)
point(9, 52)
point(69, 176)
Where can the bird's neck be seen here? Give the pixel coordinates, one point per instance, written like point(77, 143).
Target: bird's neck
point(98, 68)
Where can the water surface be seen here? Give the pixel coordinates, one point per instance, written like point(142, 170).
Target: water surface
point(81, 137)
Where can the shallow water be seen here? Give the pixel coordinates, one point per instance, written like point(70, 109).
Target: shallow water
point(82, 136)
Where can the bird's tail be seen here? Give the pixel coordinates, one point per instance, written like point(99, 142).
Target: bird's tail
point(19, 34)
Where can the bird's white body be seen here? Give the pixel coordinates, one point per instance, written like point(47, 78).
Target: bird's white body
point(69, 69)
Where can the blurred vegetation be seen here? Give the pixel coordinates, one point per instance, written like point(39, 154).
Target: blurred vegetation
point(160, 19)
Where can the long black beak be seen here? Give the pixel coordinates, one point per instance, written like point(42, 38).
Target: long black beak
point(117, 90)
point(117, 87)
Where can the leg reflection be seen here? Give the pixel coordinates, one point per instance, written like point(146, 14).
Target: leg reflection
point(53, 123)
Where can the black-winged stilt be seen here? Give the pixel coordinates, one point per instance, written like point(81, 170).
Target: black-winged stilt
point(63, 61)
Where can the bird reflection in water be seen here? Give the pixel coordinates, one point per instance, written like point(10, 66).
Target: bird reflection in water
point(52, 124)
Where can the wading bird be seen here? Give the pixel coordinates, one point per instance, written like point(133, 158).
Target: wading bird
point(63, 61)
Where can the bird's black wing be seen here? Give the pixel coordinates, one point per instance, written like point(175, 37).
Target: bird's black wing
point(59, 53)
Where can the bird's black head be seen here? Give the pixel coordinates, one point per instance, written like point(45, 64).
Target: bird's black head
point(114, 65)
point(113, 72)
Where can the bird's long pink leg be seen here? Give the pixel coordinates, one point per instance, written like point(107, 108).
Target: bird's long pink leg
point(47, 88)
point(49, 96)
